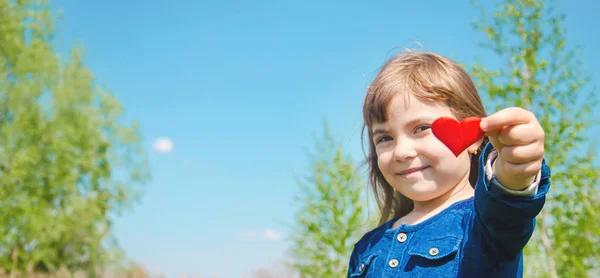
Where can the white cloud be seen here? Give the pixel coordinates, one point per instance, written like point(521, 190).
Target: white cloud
point(271, 235)
point(163, 145)
point(267, 234)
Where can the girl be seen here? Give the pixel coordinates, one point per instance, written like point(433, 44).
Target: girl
point(443, 215)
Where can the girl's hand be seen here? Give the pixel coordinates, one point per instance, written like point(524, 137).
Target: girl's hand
point(519, 139)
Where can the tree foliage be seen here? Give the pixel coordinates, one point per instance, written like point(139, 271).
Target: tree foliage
point(542, 74)
point(67, 162)
point(331, 217)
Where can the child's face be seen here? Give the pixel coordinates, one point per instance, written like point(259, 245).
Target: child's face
point(410, 157)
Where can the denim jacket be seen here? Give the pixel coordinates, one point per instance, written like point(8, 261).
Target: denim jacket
point(482, 236)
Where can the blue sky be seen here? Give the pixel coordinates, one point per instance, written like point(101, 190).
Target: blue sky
point(239, 88)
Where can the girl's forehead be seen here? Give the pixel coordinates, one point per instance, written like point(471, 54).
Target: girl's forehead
point(402, 106)
point(409, 104)
point(410, 110)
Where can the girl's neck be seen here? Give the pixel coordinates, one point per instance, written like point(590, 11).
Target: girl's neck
point(424, 210)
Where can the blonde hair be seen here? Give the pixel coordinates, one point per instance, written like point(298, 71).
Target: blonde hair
point(429, 77)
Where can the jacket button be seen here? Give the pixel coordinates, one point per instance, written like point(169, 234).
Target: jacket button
point(393, 263)
point(433, 251)
point(401, 237)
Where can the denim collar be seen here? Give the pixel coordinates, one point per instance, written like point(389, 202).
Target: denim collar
point(406, 227)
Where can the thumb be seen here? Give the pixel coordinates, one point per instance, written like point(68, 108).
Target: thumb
point(494, 123)
point(495, 143)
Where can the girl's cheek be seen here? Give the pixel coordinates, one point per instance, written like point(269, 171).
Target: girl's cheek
point(434, 150)
point(433, 145)
point(383, 153)
point(383, 159)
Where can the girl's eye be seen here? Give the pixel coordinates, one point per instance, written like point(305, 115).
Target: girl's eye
point(382, 139)
point(422, 128)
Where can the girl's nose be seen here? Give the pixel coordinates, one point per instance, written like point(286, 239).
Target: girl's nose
point(404, 150)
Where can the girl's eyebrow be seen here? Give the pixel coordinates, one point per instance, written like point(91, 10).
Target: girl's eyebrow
point(416, 121)
point(380, 131)
point(412, 122)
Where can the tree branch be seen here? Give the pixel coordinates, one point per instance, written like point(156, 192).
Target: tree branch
point(547, 246)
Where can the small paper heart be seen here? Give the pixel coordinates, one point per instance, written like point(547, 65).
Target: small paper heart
point(457, 136)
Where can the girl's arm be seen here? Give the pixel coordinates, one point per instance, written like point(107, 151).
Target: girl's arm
point(506, 217)
point(513, 189)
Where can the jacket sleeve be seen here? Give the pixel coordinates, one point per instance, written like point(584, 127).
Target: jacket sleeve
point(353, 262)
point(507, 219)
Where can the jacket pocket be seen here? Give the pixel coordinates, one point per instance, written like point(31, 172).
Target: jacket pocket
point(364, 265)
point(436, 257)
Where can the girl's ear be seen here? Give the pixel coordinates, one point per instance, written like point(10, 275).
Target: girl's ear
point(473, 152)
point(474, 149)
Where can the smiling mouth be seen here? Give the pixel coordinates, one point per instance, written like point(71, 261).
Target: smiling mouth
point(412, 170)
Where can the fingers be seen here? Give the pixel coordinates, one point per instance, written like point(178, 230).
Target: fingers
point(518, 135)
point(505, 117)
point(522, 154)
point(529, 169)
point(519, 139)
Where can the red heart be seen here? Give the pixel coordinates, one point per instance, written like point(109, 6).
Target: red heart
point(457, 136)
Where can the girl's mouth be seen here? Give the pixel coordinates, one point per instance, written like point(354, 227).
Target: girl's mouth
point(410, 171)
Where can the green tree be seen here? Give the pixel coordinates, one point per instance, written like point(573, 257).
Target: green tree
point(68, 163)
point(542, 74)
point(332, 214)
